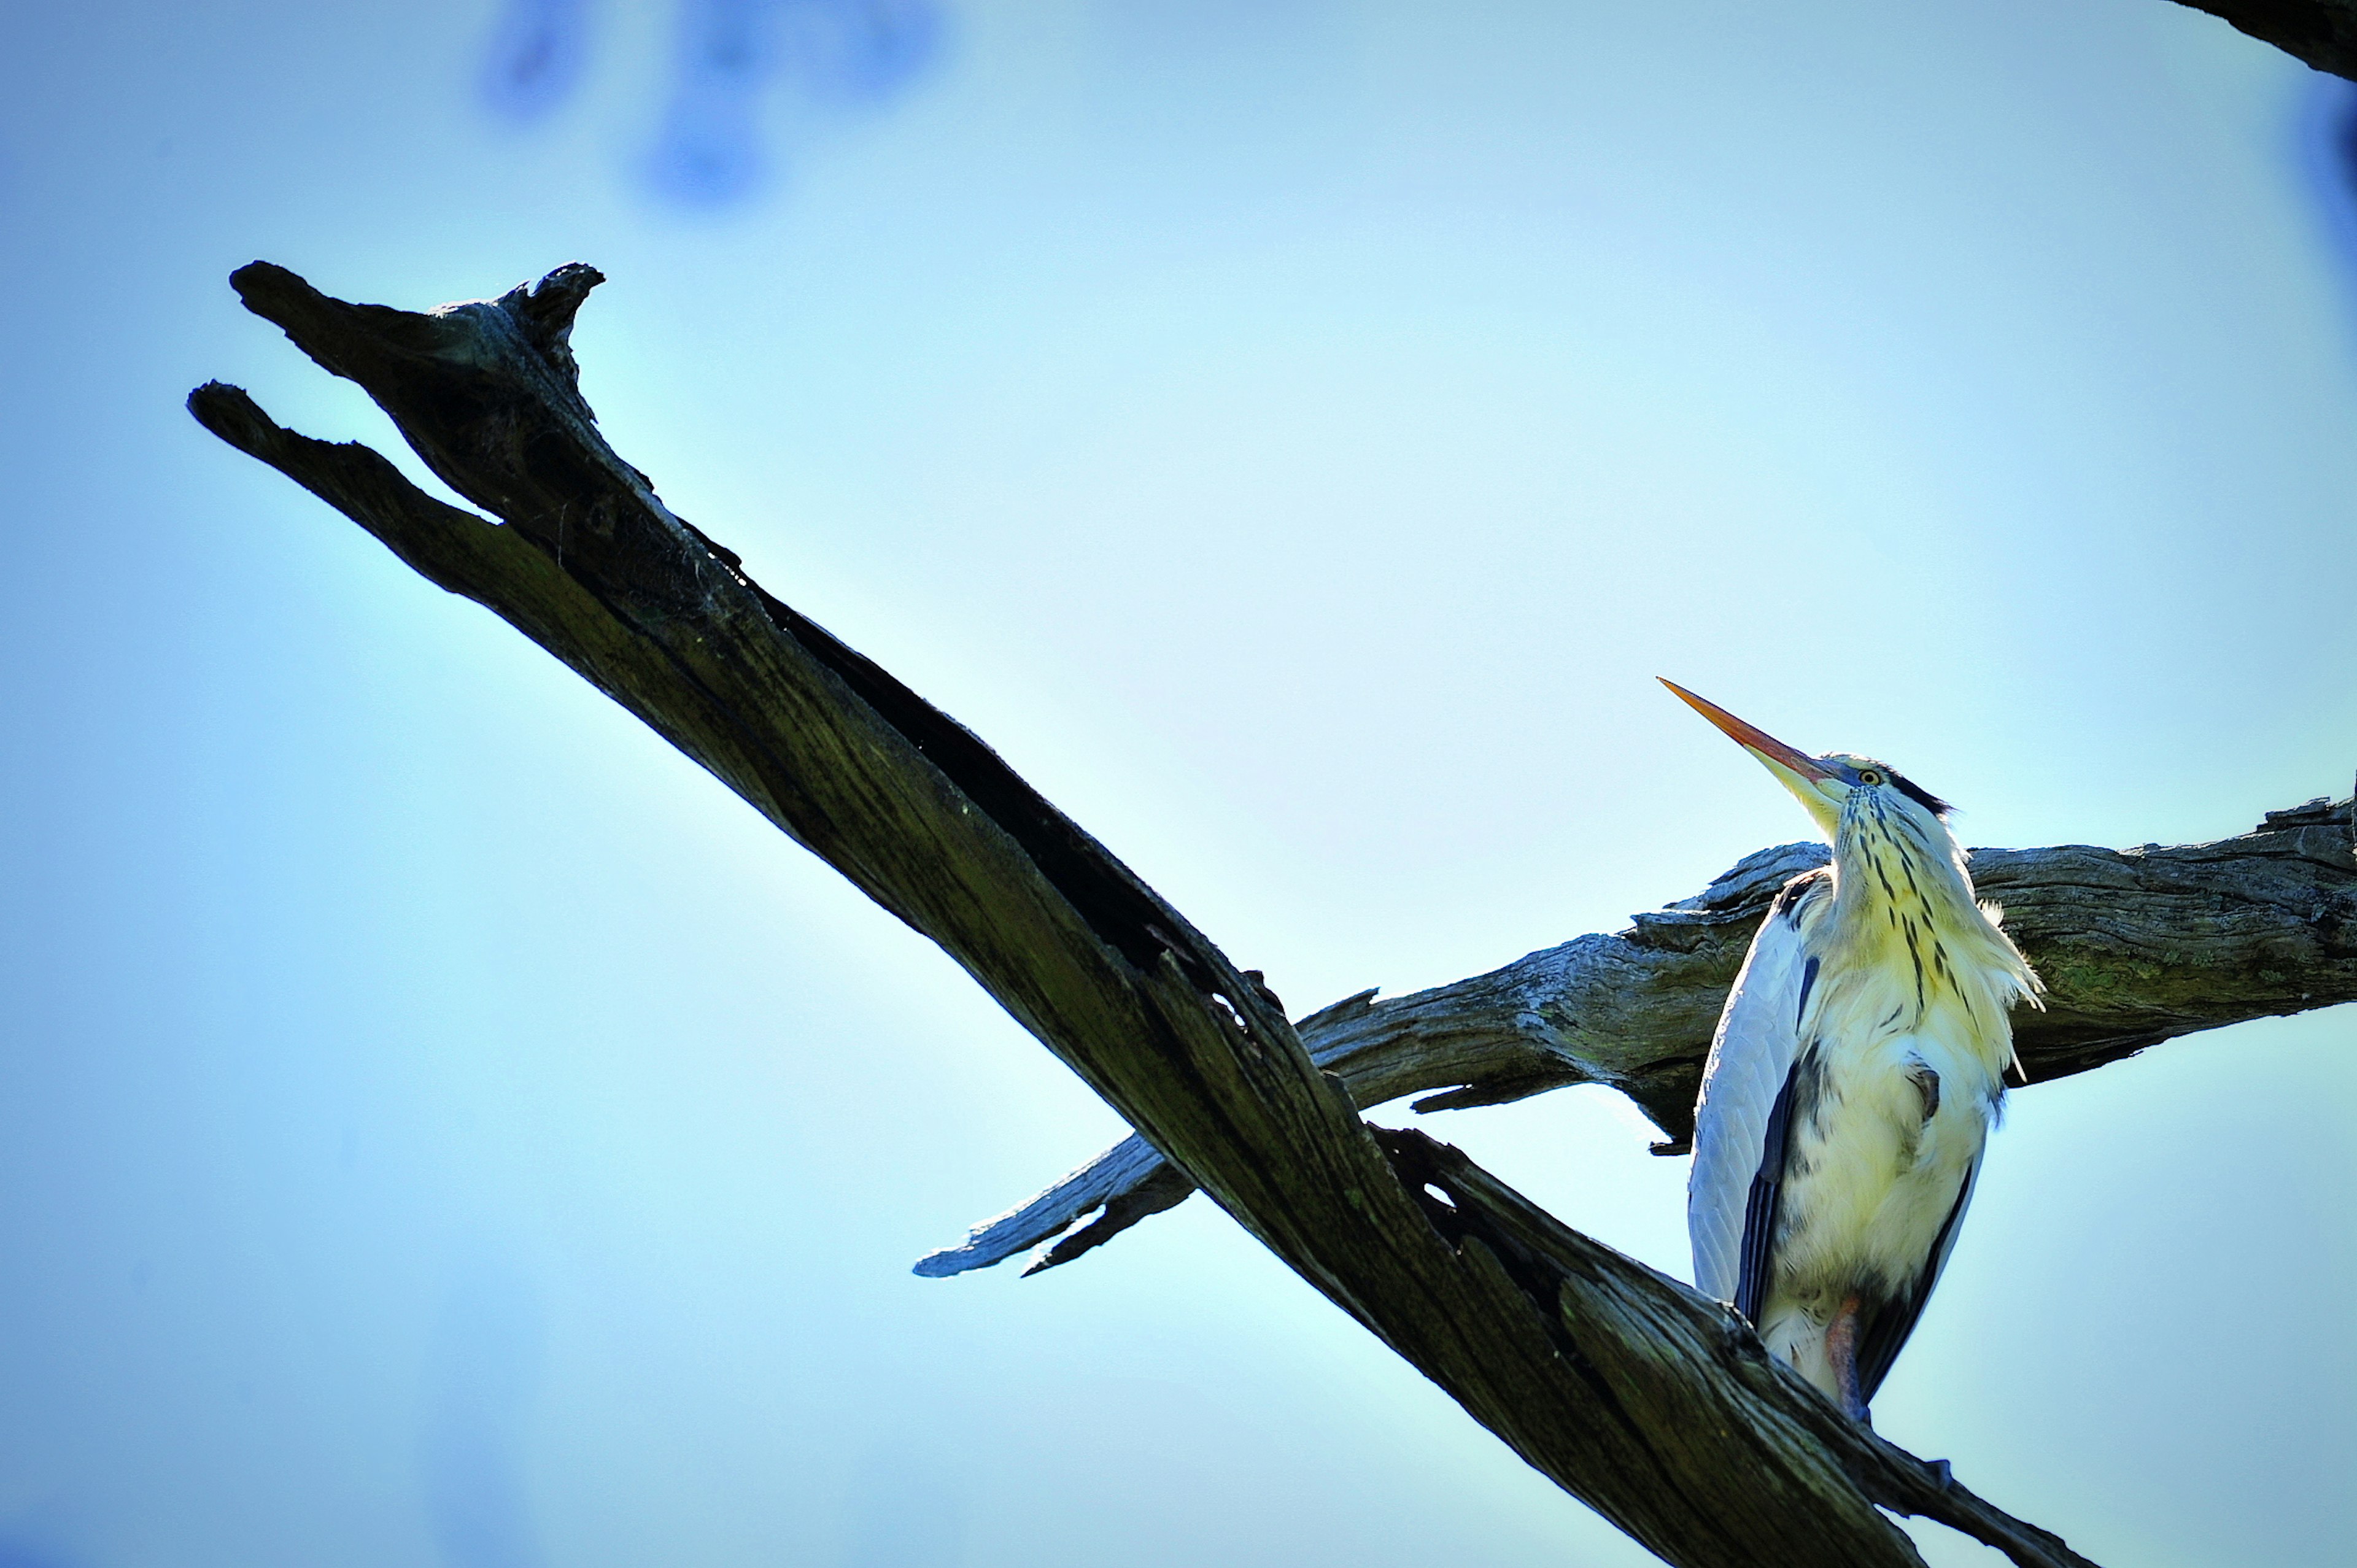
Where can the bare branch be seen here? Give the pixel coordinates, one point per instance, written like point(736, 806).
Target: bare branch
point(2322, 33)
point(2136, 945)
point(1655, 1406)
point(1658, 1334)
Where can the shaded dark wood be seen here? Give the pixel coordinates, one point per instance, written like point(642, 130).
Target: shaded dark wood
point(2322, 33)
point(2136, 947)
point(1644, 1399)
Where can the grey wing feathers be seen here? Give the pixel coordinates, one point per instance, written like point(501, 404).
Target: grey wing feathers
point(1751, 1058)
point(1756, 1270)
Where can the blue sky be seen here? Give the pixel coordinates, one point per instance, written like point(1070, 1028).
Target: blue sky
point(440, 1126)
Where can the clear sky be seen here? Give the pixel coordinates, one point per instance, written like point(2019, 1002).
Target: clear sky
point(440, 1126)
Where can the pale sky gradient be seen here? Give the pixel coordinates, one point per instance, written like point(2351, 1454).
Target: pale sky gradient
point(440, 1126)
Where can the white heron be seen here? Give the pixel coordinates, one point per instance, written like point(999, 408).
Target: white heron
point(1857, 1070)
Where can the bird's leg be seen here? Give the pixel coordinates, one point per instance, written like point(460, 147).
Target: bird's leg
point(1841, 1349)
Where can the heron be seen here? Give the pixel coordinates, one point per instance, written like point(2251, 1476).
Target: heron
point(1857, 1068)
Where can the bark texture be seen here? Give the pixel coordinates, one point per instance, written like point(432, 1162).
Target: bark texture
point(1652, 1404)
point(2136, 947)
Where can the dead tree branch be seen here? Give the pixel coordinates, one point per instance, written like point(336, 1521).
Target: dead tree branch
point(2136, 945)
point(1657, 1407)
point(2322, 33)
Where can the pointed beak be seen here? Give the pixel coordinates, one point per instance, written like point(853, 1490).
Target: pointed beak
point(1780, 759)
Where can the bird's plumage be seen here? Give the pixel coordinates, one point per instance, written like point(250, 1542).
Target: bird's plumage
point(1750, 1064)
point(1855, 1071)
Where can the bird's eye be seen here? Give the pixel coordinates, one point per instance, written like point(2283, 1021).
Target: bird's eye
point(1868, 775)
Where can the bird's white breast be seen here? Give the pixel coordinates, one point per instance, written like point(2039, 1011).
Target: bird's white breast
point(1901, 1050)
point(1870, 1179)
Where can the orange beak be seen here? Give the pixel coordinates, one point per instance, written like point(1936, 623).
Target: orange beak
point(1758, 742)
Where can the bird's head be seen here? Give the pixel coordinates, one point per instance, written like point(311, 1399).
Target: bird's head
point(1824, 784)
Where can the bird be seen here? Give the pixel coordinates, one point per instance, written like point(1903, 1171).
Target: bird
point(1855, 1072)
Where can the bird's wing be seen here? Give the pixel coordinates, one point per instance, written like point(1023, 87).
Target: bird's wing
point(1885, 1335)
point(1739, 1124)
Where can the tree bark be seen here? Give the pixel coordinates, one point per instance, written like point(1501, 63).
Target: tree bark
point(2135, 946)
point(1657, 1407)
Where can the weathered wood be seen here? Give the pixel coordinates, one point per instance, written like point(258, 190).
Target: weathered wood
point(2135, 946)
point(1693, 1443)
point(1639, 1348)
point(2321, 33)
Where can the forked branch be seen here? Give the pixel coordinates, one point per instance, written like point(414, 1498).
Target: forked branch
point(1653, 1405)
point(2136, 947)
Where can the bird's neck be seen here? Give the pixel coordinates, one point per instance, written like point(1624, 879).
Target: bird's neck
point(1886, 872)
point(1903, 912)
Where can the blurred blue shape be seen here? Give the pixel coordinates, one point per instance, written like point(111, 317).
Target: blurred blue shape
point(539, 51)
point(707, 152)
point(2329, 151)
point(486, 1363)
point(837, 52)
point(857, 50)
